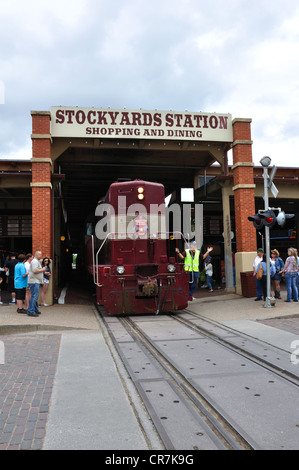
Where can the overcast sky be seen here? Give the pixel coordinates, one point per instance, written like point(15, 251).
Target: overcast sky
point(225, 56)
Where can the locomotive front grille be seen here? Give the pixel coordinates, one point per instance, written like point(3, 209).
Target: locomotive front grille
point(146, 271)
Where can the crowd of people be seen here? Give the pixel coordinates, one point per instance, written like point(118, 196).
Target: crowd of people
point(289, 270)
point(27, 278)
point(279, 270)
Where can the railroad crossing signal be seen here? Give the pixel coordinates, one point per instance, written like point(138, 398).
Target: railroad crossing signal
point(268, 218)
point(257, 220)
point(271, 185)
point(263, 219)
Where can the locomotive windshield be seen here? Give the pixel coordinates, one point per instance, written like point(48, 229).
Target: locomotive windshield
point(132, 226)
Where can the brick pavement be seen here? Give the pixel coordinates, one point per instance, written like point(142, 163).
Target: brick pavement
point(290, 324)
point(26, 382)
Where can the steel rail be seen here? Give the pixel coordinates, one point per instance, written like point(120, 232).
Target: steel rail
point(261, 361)
point(224, 431)
point(227, 431)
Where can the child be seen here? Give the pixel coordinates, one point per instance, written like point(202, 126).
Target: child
point(209, 272)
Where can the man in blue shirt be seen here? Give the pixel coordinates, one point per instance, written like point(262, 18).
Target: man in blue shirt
point(21, 282)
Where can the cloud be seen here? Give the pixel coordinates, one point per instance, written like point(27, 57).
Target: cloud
point(235, 56)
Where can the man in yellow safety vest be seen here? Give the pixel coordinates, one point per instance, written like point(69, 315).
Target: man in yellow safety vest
point(192, 259)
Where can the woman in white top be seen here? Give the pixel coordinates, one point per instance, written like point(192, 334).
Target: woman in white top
point(290, 271)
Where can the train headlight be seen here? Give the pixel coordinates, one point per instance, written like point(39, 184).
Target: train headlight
point(140, 191)
point(171, 268)
point(120, 270)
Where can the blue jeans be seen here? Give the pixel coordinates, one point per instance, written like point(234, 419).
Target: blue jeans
point(258, 288)
point(192, 282)
point(291, 282)
point(209, 281)
point(33, 302)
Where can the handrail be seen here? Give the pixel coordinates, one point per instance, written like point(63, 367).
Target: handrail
point(95, 256)
point(93, 259)
point(96, 260)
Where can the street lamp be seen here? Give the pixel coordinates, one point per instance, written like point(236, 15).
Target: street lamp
point(265, 162)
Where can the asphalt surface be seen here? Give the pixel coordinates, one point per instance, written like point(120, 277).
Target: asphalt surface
point(62, 385)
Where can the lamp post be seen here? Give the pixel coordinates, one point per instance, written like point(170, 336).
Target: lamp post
point(270, 301)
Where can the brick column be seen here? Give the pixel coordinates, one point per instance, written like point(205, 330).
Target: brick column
point(42, 227)
point(244, 196)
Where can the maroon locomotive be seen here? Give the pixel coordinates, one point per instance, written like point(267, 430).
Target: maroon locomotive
point(131, 255)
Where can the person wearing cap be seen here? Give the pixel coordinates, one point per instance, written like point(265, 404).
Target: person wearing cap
point(256, 263)
point(192, 258)
point(277, 277)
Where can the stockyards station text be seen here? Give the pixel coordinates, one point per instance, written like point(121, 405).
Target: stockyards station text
point(126, 118)
point(76, 122)
point(143, 458)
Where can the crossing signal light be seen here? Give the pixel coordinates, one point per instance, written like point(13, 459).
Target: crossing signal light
point(269, 218)
point(257, 220)
point(263, 219)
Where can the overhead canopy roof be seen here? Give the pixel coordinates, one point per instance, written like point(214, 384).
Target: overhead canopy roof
point(85, 173)
point(90, 166)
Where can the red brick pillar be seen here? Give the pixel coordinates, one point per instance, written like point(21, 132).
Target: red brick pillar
point(243, 185)
point(42, 227)
point(244, 198)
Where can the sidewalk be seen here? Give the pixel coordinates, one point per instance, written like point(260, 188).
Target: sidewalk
point(61, 388)
point(62, 385)
point(278, 326)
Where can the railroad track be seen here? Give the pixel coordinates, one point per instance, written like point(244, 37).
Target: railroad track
point(161, 356)
point(269, 358)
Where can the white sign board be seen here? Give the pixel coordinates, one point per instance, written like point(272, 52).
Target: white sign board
point(140, 124)
point(274, 190)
